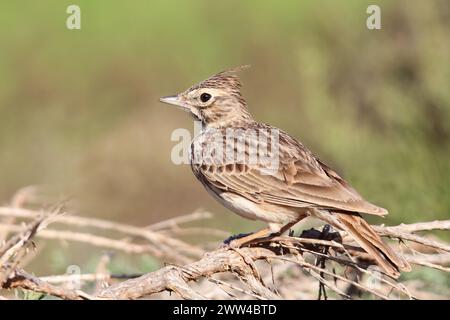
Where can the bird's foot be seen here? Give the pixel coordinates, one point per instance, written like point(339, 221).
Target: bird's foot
point(231, 241)
point(248, 239)
point(325, 234)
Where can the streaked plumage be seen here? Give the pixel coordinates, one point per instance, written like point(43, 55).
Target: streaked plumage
point(300, 185)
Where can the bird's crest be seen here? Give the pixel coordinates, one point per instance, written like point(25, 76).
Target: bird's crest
point(227, 79)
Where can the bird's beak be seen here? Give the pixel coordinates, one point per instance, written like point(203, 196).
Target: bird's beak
point(175, 100)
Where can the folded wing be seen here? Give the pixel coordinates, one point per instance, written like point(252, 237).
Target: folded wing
point(299, 180)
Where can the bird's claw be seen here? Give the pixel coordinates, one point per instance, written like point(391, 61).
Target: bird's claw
point(231, 242)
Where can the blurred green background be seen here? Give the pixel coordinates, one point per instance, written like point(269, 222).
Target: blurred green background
point(79, 110)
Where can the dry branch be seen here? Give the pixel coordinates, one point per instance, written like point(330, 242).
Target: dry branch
point(238, 273)
point(224, 260)
point(159, 244)
point(171, 277)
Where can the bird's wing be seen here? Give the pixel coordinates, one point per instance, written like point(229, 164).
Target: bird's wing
point(299, 179)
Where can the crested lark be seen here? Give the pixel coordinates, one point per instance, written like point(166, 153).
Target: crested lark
point(262, 173)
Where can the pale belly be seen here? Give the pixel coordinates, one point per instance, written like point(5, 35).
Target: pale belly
point(272, 214)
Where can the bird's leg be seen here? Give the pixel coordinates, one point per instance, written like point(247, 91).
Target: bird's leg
point(250, 238)
point(287, 227)
point(265, 233)
point(235, 237)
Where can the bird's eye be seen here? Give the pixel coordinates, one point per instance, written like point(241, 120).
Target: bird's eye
point(205, 97)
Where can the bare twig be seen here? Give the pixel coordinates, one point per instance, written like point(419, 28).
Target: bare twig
point(173, 222)
point(20, 279)
point(156, 239)
point(90, 239)
point(420, 226)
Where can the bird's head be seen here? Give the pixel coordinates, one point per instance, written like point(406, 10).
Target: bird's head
point(216, 101)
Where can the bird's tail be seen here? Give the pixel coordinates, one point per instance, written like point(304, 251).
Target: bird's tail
point(371, 242)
